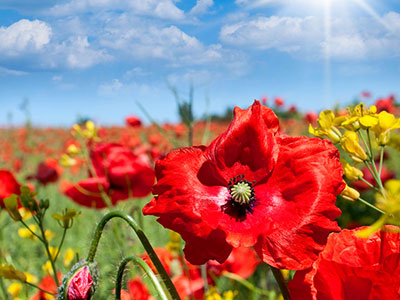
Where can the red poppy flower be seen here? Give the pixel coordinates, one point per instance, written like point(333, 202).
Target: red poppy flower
point(242, 261)
point(47, 172)
point(124, 169)
point(387, 104)
point(279, 101)
point(120, 174)
point(47, 284)
point(251, 187)
point(352, 268)
point(133, 121)
point(8, 185)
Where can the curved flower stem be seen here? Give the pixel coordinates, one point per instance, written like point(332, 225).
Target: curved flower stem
point(143, 239)
point(245, 283)
point(371, 205)
point(148, 271)
point(281, 282)
point(60, 245)
point(369, 184)
point(32, 232)
point(39, 288)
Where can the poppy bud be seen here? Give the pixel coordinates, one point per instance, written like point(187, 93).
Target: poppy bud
point(80, 283)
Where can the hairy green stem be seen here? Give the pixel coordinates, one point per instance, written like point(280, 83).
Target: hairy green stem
point(143, 239)
point(148, 271)
point(281, 282)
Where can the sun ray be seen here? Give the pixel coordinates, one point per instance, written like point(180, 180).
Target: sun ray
point(364, 5)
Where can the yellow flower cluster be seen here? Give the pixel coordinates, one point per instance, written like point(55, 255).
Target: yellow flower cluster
point(213, 294)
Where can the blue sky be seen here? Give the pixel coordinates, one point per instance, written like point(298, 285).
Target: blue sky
point(97, 58)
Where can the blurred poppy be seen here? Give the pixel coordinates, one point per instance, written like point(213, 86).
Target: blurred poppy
point(47, 171)
point(8, 185)
point(133, 121)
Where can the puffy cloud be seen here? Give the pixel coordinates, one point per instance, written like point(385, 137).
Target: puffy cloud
point(201, 7)
point(164, 9)
point(24, 35)
point(304, 36)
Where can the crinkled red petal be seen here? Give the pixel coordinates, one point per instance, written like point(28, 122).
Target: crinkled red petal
point(301, 195)
point(352, 268)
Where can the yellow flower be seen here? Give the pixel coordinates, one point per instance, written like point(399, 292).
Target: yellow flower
point(326, 127)
point(47, 268)
point(26, 233)
point(73, 150)
point(174, 245)
point(213, 294)
point(68, 257)
point(387, 122)
point(89, 132)
point(67, 161)
point(25, 213)
point(15, 289)
point(358, 117)
point(9, 272)
point(351, 173)
point(53, 252)
point(65, 220)
point(49, 234)
point(30, 278)
point(351, 145)
point(350, 194)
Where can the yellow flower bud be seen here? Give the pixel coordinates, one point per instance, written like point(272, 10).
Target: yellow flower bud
point(351, 173)
point(11, 204)
point(350, 194)
point(351, 145)
point(9, 272)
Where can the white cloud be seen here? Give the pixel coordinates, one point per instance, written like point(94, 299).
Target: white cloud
point(109, 88)
point(201, 7)
point(304, 36)
point(24, 35)
point(12, 72)
point(164, 9)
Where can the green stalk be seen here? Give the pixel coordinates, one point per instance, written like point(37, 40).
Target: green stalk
point(148, 271)
point(46, 246)
point(203, 269)
point(60, 245)
point(281, 282)
point(381, 159)
point(246, 283)
point(39, 288)
point(32, 232)
point(3, 289)
point(143, 239)
point(371, 205)
point(370, 185)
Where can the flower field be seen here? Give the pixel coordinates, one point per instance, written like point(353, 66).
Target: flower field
point(268, 203)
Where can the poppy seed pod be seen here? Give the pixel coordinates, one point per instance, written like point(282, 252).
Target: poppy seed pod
point(80, 283)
